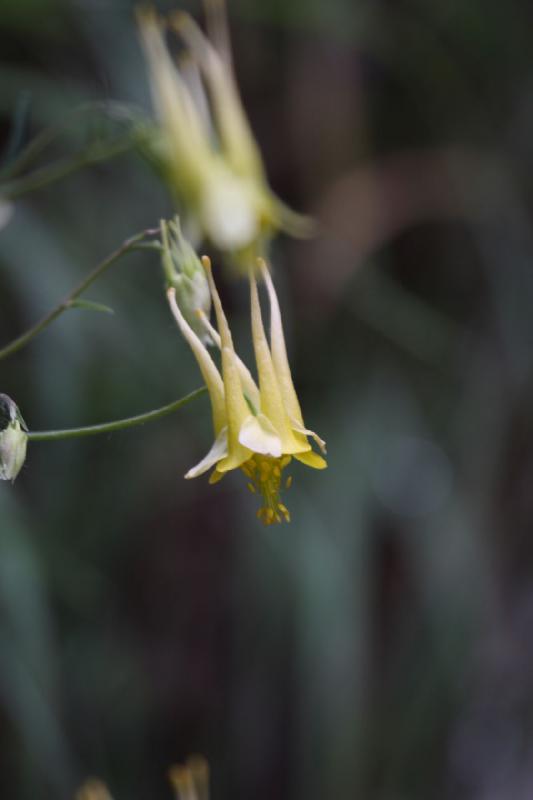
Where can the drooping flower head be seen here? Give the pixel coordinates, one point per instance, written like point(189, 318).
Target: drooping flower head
point(212, 160)
point(258, 428)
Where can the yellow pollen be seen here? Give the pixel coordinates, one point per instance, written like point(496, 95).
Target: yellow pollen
point(288, 482)
point(264, 473)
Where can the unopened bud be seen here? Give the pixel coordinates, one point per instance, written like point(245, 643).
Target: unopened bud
point(13, 439)
point(185, 273)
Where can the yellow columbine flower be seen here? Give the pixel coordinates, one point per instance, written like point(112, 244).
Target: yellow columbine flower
point(211, 156)
point(258, 429)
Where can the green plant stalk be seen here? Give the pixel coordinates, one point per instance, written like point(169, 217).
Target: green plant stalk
point(109, 111)
point(117, 425)
point(31, 333)
point(60, 169)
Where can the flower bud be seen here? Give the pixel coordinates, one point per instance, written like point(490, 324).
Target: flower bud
point(13, 439)
point(185, 273)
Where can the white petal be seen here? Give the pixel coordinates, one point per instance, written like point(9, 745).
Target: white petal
point(228, 211)
point(218, 451)
point(259, 435)
point(300, 429)
point(207, 366)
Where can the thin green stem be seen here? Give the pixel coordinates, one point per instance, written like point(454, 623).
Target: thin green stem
point(117, 425)
point(109, 111)
point(60, 169)
point(31, 333)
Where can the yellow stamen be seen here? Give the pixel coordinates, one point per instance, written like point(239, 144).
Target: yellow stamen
point(265, 474)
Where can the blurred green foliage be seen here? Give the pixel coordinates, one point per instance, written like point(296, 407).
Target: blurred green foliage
point(378, 647)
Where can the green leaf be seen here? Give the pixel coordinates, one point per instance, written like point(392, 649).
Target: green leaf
point(88, 305)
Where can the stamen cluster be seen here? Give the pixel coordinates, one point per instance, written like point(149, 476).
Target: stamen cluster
point(265, 475)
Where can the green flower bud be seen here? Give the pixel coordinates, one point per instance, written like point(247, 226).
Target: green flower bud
point(13, 439)
point(185, 273)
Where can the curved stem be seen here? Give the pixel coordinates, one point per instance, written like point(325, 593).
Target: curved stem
point(60, 169)
point(31, 333)
point(117, 425)
point(110, 112)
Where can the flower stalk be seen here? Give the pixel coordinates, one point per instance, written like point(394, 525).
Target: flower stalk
point(115, 425)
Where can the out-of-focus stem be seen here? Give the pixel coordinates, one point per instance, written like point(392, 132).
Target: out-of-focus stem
point(60, 169)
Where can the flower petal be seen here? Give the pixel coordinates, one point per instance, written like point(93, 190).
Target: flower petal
point(216, 476)
point(271, 399)
point(258, 434)
point(185, 137)
point(306, 432)
point(279, 350)
point(218, 451)
point(236, 406)
point(311, 459)
point(207, 366)
point(237, 139)
point(249, 386)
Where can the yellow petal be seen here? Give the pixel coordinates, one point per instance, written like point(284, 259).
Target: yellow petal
point(300, 226)
point(300, 429)
point(237, 412)
point(185, 136)
point(259, 435)
point(311, 459)
point(249, 386)
point(216, 476)
point(218, 451)
point(279, 351)
point(271, 399)
point(207, 366)
point(238, 142)
point(236, 406)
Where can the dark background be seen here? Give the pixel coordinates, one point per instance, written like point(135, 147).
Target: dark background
point(379, 647)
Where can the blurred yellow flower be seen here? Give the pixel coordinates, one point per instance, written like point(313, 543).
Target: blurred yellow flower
point(93, 789)
point(190, 781)
point(211, 157)
point(257, 428)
